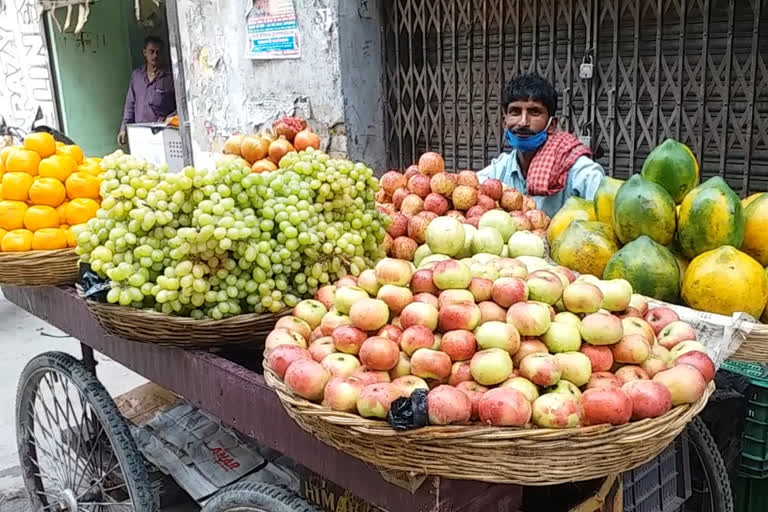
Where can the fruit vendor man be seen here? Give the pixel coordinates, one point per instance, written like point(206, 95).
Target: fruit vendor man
point(547, 164)
point(151, 96)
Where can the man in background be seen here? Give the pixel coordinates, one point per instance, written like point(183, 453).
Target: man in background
point(151, 96)
point(546, 164)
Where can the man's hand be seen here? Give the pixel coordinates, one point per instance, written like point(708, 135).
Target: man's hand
point(121, 138)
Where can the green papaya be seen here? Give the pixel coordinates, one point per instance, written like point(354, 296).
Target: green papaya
point(711, 216)
point(672, 165)
point(642, 208)
point(651, 268)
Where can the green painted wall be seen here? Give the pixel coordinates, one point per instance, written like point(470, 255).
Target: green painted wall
point(92, 72)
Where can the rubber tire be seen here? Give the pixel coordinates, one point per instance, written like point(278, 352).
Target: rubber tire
point(258, 496)
point(117, 431)
point(712, 464)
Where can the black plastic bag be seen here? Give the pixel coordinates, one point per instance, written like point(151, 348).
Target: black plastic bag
point(94, 287)
point(410, 412)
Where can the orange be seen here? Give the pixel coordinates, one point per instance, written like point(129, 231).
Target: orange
point(48, 239)
point(80, 210)
point(81, 184)
point(17, 240)
point(12, 214)
point(91, 168)
point(71, 241)
point(16, 185)
point(2, 166)
point(6, 151)
point(39, 217)
point(59, 145)
point(73, 152)
point(57, 166)
point(48, 191)
point(2, 234)
point(62, 211)
point(41, 143)
point(22, 160)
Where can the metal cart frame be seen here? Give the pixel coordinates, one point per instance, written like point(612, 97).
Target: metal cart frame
point(242, 400)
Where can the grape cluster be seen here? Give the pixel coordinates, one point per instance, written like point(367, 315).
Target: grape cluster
point(216, 243)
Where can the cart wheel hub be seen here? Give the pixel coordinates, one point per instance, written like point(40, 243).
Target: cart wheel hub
point(68, 500)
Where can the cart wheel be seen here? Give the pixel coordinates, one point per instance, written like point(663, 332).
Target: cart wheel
point(76, 451)
point(257, 497)
point(709, 476)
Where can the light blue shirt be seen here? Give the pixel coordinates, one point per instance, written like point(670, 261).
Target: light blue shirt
point(583, 179)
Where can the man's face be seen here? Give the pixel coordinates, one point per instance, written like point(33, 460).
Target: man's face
point(527, 117)
point(152, 54)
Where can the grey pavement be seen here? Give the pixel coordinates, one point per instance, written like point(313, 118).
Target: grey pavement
point(23, 336)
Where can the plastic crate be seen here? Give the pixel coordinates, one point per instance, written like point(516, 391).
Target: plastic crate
point(754, 444)
point(750, 495)
point(156, 143)
point(661, 485)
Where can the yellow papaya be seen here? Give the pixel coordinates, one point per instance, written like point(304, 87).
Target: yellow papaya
point(748, 200)
point(604, 198)
point(756, 230)
point(574, 208)
point(726, 281)
point(585, 246)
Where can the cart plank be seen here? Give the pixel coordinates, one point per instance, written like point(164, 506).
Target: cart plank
point(241, 399)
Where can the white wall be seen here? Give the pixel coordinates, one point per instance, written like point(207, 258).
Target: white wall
point(25, 78)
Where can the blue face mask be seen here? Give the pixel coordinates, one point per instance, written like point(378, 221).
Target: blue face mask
point(529, 143)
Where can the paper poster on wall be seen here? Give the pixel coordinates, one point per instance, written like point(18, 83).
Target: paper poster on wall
point(272, 31)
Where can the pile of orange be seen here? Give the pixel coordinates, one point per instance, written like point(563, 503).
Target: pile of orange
point(45, 188)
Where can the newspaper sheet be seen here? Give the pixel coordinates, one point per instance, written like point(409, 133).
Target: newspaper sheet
point(722, 335)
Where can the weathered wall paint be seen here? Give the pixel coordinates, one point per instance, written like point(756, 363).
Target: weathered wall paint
point(228, 93)
point(360, 49)
point(25, 78)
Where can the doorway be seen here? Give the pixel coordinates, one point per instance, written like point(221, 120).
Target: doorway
point(92, 69)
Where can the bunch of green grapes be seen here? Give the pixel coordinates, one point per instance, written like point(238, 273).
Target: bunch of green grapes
point(215, 243)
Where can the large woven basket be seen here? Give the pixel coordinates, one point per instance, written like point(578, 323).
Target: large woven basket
point(755, 346)
point(38, 268)
point(247, 330)
point(531, 456)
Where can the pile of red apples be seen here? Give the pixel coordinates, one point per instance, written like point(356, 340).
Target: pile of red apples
point(425, 191)
point(535, 345)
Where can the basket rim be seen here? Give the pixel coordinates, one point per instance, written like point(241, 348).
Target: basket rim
point(53, 267)
point(100, 308)
point(13, 255)
point(382, 428)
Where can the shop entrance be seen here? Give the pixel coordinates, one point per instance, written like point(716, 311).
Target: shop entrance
point(629, 74)
point(92, 68)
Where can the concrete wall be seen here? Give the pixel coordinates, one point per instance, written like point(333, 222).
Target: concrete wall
point(360, 49)
point(229, 93)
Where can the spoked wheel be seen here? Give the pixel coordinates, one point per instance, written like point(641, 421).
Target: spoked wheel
point(76, 451)
point(709, 476)
point(257, 497)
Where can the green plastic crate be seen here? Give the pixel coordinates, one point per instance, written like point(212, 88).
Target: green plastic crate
point(754, 448)
point(750, 495)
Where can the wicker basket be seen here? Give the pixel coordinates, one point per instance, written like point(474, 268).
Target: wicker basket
point(531, 456)
point(755, 346)
point(38, 268)
point(176, 331)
